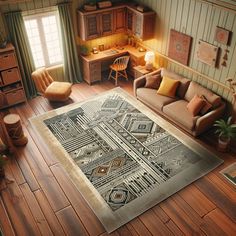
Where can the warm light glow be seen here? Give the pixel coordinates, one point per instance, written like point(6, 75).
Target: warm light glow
point(149, 58)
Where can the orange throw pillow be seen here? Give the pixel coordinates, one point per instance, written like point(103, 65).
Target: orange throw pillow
point(168, 87)
point(195, 105)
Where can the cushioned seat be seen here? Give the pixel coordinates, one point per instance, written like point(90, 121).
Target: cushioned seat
point(154, 100)
point(178, 111)
point(58, 91)
point(50, 89)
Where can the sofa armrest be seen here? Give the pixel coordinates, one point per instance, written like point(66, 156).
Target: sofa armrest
point(140, 82)
point(207, 120)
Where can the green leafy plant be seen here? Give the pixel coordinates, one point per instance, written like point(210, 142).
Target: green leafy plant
point(225, 129)
point(84, 50)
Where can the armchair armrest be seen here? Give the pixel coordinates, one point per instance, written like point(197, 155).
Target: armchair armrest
point(140, 82)
point(207, 120)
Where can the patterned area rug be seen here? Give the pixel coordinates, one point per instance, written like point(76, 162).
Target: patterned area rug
point(122, 157)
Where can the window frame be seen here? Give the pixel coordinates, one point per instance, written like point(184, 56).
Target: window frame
point(38, 17)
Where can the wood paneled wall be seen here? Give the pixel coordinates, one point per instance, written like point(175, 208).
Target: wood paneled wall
point(199, 20)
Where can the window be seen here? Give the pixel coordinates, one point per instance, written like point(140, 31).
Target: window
point(43, 33)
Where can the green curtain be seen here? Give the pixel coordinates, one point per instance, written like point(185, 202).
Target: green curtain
point(18, 37)
point(71, 61)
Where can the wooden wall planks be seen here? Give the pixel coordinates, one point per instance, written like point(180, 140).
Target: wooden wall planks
point(199, 20)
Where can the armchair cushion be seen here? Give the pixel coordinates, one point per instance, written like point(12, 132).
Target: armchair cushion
point(58, 91)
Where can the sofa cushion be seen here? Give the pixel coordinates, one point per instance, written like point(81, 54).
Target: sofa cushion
point(183, 85)
point(195, 88)
point(153, 81)
point(206, 107)
point(154, 100)
point(178, 111)
point(195, 105)
point(168, 87)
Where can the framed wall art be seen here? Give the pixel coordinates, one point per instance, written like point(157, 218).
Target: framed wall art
point(207, 53)
point(222, 35)
point(179, 46)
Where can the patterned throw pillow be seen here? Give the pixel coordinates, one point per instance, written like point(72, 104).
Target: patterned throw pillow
point(168, 87)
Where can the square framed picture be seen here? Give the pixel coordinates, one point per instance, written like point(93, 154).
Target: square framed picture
point(207, 53)
point(222, 35)
point(179, 46)
point(230, 173)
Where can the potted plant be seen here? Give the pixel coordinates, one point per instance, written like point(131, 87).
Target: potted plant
point(3, 41)
point(226, 131)
point(84, 50)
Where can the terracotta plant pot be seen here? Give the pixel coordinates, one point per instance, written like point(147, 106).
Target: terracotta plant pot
point(223, 144)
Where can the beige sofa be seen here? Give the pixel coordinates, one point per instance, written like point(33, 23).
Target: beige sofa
point(175, 109)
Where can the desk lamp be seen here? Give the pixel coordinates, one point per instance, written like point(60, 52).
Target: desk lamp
point(149, 58)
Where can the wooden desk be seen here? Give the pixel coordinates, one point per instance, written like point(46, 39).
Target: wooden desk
point(94, 64)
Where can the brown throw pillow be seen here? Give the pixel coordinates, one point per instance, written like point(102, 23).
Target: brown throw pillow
point(195, 105)
point(153, 81)
point(206, 107)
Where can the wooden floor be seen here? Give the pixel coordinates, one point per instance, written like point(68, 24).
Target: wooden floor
point(38, 198)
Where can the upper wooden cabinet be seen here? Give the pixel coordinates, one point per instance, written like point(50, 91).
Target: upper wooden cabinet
point(117, 19)
point(140, 24)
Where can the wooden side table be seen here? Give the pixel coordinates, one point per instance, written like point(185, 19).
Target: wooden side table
point(14, 129)
point(140, 71)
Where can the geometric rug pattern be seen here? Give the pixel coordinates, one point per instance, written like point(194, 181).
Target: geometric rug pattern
point(127, 160)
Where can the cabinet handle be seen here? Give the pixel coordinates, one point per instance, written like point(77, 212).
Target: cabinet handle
point(6, 56)
point(9, 71)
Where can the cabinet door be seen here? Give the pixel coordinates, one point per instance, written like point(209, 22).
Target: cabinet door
point(119, 20)
point(130, 19)
point(106, 23)
point(138, 25)
point(92, 26)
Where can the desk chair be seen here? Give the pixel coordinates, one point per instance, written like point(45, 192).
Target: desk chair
point(119, 66)
point(50, 89)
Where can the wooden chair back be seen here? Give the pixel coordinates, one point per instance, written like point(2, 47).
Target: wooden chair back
point(42, 79)
point(121, 62)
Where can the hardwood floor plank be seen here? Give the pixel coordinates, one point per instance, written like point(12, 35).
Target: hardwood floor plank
point(223, 185)
point(161, 214)
point(81, 207)
point(174, 228)
point(36, 210)
point(49, 213)
point(212, 229)
point(124, 230)
point(16, 171)
point(218, 197)
point(5, 222)
point(132, 230)
point(71, 222)
point(180, 218)
point(139, 227)
point(154, 224)
point(45, 178)
point(197, 200)
point(18, 211)
point(27, 172)
point(226, 225)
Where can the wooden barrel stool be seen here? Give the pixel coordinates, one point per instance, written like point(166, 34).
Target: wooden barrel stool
point(14, 129)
